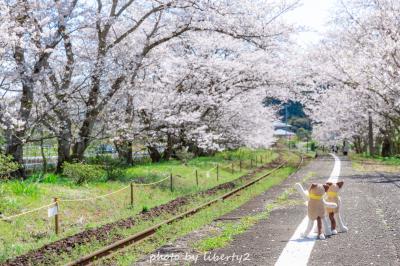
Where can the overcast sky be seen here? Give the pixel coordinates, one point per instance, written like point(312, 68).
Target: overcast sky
point(313, 14)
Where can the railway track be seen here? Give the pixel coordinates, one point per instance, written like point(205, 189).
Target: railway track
point(138, 237)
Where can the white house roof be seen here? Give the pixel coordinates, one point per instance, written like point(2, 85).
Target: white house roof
point(282, 132)
point(280, 124)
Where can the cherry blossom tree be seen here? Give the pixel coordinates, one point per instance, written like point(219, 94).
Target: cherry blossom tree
point(116, 72)
point(170, 71)
point(196, 97)
point(33, 30)
point(356, 64)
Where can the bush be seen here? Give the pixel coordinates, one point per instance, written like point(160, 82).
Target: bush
point(313, 146)
point(7, 166)
point(184, 155)
point(113, 167)
point(82, 173)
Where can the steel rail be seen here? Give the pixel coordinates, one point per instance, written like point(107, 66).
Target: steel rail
point(136, 238)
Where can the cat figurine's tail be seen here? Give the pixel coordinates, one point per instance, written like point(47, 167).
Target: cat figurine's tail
point(302, 192)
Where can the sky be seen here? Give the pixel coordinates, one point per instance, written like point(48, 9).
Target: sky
point(313, 14)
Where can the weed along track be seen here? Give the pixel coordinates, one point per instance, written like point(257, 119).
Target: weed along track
point(136, 238)
point(109, 236)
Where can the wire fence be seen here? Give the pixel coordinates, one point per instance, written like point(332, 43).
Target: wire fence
point(36, 156)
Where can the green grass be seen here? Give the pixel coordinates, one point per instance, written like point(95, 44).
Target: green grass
point(378, 159)
point(365, 163)
point(35, 230)
point(24, 188)
point(230, 230)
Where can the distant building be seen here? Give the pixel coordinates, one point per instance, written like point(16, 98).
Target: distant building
point(282, 130)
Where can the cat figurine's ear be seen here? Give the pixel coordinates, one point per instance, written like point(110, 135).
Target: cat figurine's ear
point(326, 187)
point(340, 184)
point(329, 183)
point(313, 186)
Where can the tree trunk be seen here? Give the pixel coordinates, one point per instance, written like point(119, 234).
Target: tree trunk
point(125, 152)
point(15, 145)
point(386, 147)
point(364, 144)
point(64, 145)
point(378, 145)
point(44, 159)
point(169, 148)
point(63, 153)
point(357, 144)
point(387, 143)
point(15, 149)
point(370, 135)
point(94, 109)
point(154, 154)
point(125, 146)
point(79, 148)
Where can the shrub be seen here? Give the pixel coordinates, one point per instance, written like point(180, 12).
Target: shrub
point(313, 146)
point(184, 155)
point(112, 166)
point(227, 155)
point(82, 173)
point(7, 166)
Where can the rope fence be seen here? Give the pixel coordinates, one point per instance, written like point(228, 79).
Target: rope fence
point(53, 207)
point(94, 198)
point(7, 218)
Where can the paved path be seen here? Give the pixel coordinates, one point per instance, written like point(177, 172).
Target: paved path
point(370, 209)
point(372, 213)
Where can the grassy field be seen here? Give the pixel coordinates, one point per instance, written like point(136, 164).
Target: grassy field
point(34, 230)
point(366, 163)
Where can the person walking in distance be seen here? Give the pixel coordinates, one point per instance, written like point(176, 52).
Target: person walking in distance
point(345, 149)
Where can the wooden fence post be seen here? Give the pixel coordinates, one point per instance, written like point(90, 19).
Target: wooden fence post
point(131, 194)
point(233, 170)
point(171, 185)
point(197, 178)
point(251, 163)
point(240, 165)
point(56, 220)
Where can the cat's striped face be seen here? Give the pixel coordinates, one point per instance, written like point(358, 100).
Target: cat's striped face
point(335, 187)
point(318, 189)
